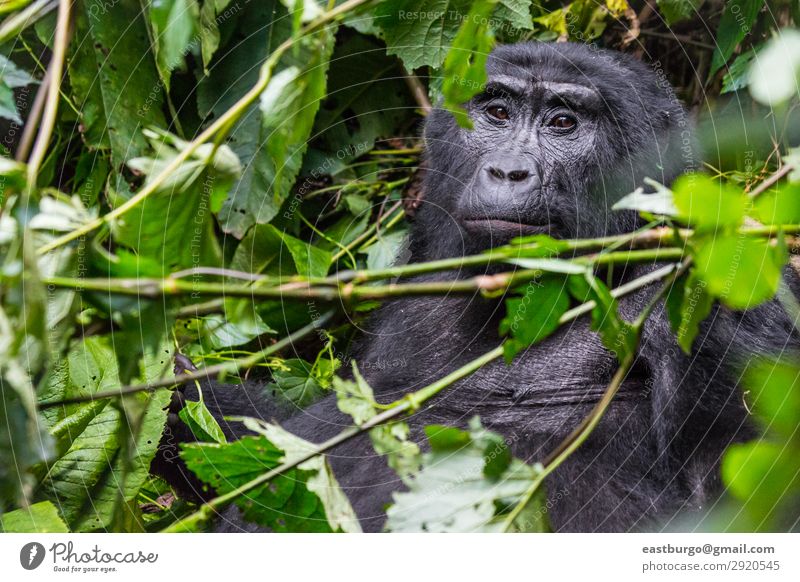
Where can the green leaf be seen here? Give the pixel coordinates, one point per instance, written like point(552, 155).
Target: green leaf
point(309, 260)
point(174, 24)
point(659, 202)
point(175, 225)
point(688, 304)
point(295, 384)
point(239, 324)
point(340, 514)
point(534, 316)
point(272, 140)
point(708, 204)
point(40, 517)
point(114, 79)
point(677, 10)
point(11, 77)
point(774, 389)
point(420, 31)
point(538, 245)
point(465, 65)
point(212, 14)
point(516, 13)
point(779, 205)
point(384, 252)
point(763, 476)
point(740, 271)
point(617, 335)
point(467, 485)
point(304, 499)
point(357, 400)
point(100, 472)
point(737, 76)
point(367, 99)
point(200, 421)
point(775, 74)
point(737, 21)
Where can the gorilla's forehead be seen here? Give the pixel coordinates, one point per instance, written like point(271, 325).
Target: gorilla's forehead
point(561, 66)
point(584, 95)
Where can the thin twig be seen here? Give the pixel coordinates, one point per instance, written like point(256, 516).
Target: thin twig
point(211, 371)
point(772, 180)
point(55, 71)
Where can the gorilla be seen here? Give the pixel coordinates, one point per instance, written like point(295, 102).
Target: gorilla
point(561, 132)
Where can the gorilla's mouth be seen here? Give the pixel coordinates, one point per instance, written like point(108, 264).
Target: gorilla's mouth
point(505, 227)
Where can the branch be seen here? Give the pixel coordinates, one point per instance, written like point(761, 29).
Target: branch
point(348, 292)
point(226, 367)
point(55, 71)
point(409, 403)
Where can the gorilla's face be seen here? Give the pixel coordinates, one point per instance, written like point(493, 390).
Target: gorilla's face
point(531, 139)
point(561, 132)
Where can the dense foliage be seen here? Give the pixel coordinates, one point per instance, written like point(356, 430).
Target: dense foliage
point(213, 182)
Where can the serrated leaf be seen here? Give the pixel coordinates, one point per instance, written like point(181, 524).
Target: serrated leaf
point(295, 384)
point(114, 79)
point(453, 493)
point(384, 252)
point(322, 482)
point(271, 138)
point(294, 501)
point(92, 476)
point(420, 31)
point(356, 399)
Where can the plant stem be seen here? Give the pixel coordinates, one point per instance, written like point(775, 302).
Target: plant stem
point(302, 291)
point(226, 120)
point(55, 71)
point(227, 367)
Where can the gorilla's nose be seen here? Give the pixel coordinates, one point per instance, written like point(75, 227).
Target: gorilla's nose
point(509, 170)
point(510, 175)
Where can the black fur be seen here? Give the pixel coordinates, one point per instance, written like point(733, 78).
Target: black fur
point(657, 451)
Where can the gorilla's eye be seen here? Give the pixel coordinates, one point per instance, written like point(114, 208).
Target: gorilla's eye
point(498, 112)
point(563, 121)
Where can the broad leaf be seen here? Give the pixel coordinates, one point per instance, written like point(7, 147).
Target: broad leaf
point(468, 483)
point(534, 316)
point(736, 22)
point(40, 517)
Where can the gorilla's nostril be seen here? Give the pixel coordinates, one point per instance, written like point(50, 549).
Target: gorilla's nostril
point(497, 173)
point(518, 175)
